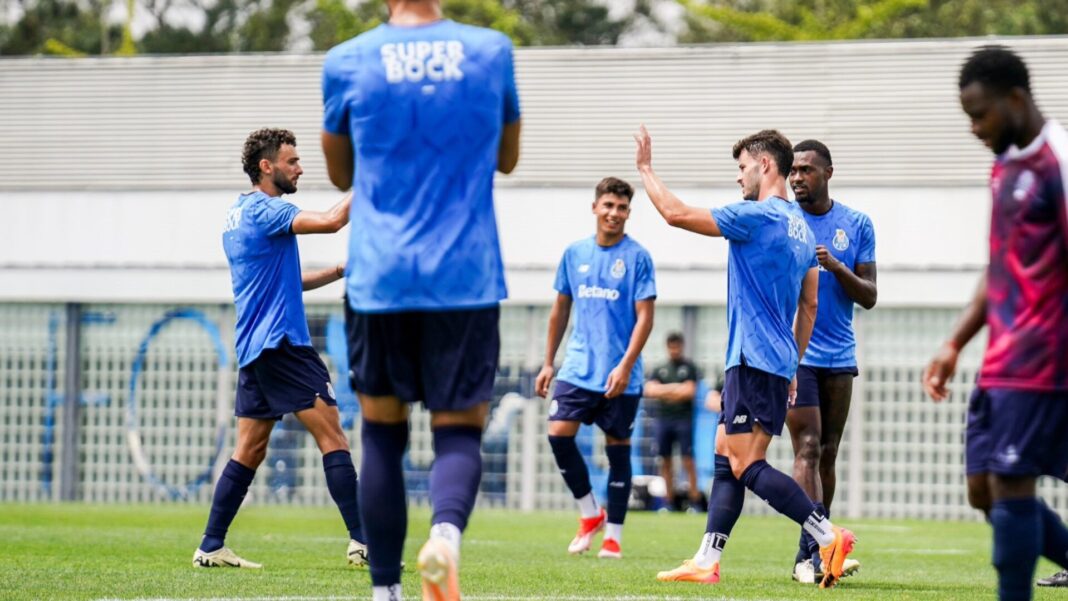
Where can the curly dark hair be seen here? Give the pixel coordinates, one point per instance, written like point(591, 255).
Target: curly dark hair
point(814, 146)
point(996, 68)
point(770, 142)
point(614, 185)
point(263, 144)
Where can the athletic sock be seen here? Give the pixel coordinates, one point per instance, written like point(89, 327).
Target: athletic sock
point(383, 502)
point(812, 547)
point(725, 502)
point(1054, 536)
point(450, 534)
point(619, 481)
point(343, 486)
point(387, 593)
point(785, 496)
point(1017, 543)
point(230, 491)
point(614, 532)
point(455, 474)
point(588, 506)
point(572, 467)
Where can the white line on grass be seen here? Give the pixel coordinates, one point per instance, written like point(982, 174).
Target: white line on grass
point(466, 597)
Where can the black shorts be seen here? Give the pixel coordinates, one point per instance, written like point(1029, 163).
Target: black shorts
point(282, 380)
point(809, 380)
point(753, 396)
point(1017, 433)
point(671, 430)
point(446, 359)
point(614, 416)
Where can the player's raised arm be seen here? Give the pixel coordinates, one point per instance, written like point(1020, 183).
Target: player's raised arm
point(619, 377)
point(558, 318)
point(671, 208)
point(944, 363)
point(323, 222)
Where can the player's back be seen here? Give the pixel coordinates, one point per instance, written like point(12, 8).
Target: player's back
point(771, 249)
point(425, 108)
point(1027, 285)
point(265, 272)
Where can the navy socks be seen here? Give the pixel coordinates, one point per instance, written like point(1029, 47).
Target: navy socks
point(230, 491)
point(619, 481)
point(572, 467)
point(382, 499)
point(456, 473)
point(342, 483)
point(779, 490)
point(726, 499)
point(1017, 543)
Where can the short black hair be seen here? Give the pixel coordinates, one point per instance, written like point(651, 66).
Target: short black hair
point(675, 338)
point(614, 185)
point(263, 144)
point(996, 68)
point(814, 146)
point(768, 141)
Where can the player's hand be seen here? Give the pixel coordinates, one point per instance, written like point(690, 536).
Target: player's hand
point(617, 382)
point(826, 259)
point(791, 394)
point(643, 158)
point(541, 383)
point(939, 371)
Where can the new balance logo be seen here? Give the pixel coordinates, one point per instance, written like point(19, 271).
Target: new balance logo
point(740, 419)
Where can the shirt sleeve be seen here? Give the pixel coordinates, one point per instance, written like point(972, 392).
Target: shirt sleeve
point(866, 251)
point(645, 282)
point(692, 375)
point(562, 284)
point(335, 105)
point(275, 216)
point(738, 221)
point(511, 92)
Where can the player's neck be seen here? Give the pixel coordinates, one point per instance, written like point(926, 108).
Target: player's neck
point(820, 206)
point(413, 13)
point(1031, 129)
point(268, 188)
point(605, 239)
point(773, 187)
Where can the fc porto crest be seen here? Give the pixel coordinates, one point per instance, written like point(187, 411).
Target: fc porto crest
point(618, 269)
point(841, 241)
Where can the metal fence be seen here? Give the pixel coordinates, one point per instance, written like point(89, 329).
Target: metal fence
point(133, 403)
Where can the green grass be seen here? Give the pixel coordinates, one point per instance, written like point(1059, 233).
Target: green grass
point(125, 552)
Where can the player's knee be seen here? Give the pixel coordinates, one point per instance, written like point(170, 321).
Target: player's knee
point(809, 450)
point(828, 453)
point(251, 456)
point(738, 467)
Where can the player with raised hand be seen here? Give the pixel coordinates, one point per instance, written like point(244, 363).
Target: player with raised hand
point(772, 277)
point(609, 280)
point(1018, 413)
point(418, 114)
point(280, 372)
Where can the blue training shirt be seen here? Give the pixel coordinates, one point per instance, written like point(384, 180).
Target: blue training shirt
point(771, 248)
point(603, 283)
point(265, 270)
point(424, 107)
point(849, 236)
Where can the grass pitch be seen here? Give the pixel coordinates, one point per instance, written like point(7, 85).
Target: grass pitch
point(144, 552)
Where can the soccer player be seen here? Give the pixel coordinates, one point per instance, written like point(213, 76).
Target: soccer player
point(674, 384)
point(1018, 413)
point(418, 113)
point(609, 280)
point(845, 249)
point(771, 277)
point(279, 371)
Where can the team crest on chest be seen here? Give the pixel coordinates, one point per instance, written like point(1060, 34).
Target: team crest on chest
point(618, 269)
point(1024, 183)
point(840, 241)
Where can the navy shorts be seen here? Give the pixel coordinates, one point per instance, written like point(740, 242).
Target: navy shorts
point(615, 416)
point(446, 359)
point(282, 380)
point(809, 380)
point(674, 430)
point(1017, 433)
point(753, 396)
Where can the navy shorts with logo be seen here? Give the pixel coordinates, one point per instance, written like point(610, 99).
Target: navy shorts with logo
point(753, 396)
point(674, 430)
point(282, 380)
point(1017, 433)
point(809, 380)
point(446, 359)
point(614, 416)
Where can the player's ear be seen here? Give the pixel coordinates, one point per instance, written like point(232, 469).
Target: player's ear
point(266, 168)
point(830, 171)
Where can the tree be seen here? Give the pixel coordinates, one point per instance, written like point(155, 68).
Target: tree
point(69, 27)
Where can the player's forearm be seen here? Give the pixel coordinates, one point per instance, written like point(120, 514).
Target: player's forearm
point(803, 324)
point(508, 150)
point(638, 337)
point(317, 278)
point(972, 319)
point(675, 212)
point(860, 290)
point(337, 150)
point(682, 392)
point(558, 319)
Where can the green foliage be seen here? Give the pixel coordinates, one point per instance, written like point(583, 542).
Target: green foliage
point(333, 21)
point(60, 26)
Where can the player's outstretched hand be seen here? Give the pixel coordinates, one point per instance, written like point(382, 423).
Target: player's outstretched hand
point(617, 382)
point(541, 383)
point(643, 158)
point(939, 371)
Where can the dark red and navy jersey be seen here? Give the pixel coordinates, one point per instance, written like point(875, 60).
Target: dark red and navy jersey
point(1027, 280)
